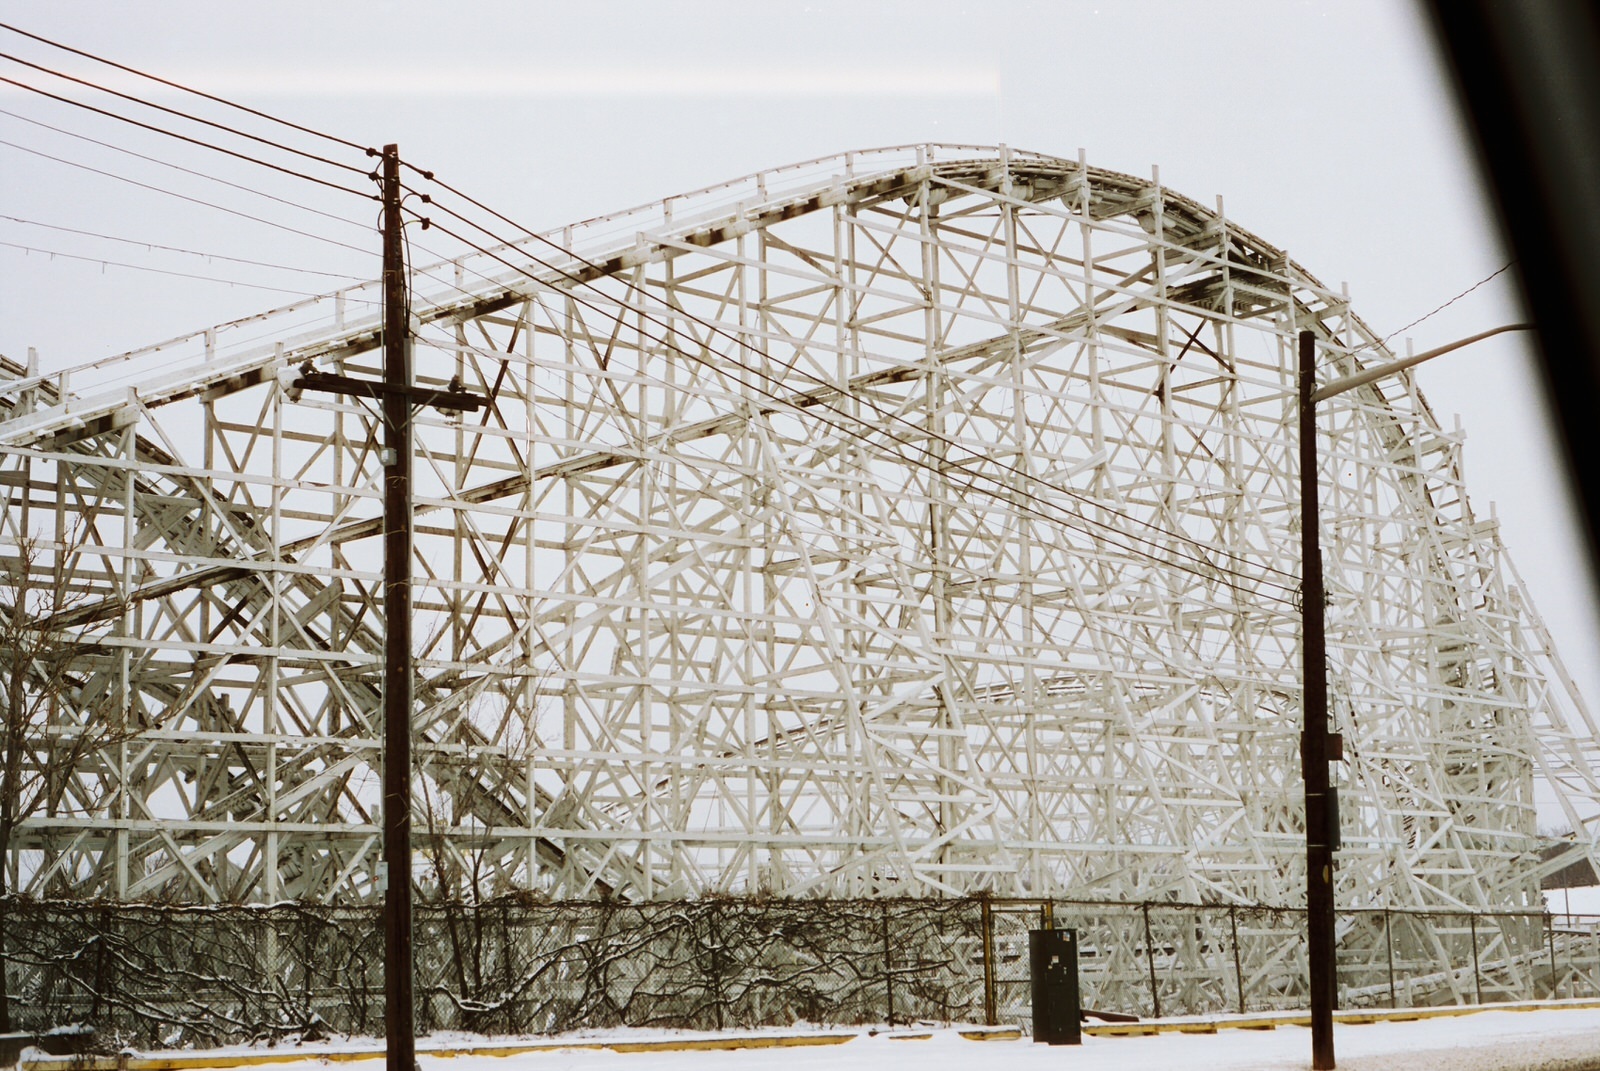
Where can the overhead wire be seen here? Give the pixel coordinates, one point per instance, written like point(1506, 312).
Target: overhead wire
point(851, 425)
point(790, 366)
point(213, 178)
point(884, 413)
point(179, 249)
point(159, 271)
point(185, 197)
point(188, 89)
point(940, 466)
point(179, 113)
point(943, 468)
point(367, 227)
point(300, 206)
point(1438, 309)
point(200, 142)
point(189, 171)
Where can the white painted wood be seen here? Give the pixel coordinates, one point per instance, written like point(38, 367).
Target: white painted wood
point(936, 538)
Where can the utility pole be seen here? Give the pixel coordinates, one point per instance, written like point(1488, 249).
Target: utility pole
point(1318, 746)
point(396, 396)
point(1320, 945)
point(399, 1008)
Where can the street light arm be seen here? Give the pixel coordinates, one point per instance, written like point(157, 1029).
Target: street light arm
point(1339, 386)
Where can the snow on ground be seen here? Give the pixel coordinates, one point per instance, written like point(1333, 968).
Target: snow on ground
point(1542, 1040)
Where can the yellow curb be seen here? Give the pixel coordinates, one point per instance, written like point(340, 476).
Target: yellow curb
point(497, 1050)
point(187, 1063)
point(778, 1041)
point(1364, 1016)
point(1270, 1021)
point(196, 1062)
point(1124, 1030)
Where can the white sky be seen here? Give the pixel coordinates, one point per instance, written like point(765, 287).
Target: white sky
point(1326, 126)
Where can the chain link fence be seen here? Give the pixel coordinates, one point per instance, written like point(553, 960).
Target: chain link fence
point(151, 976)
point(1160, 959)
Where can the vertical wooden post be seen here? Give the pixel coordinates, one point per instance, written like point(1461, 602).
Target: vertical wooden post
point(888, 961)
point(1550, 939)
point(1388, 940)
point(1150, 961)
point(991, 1010)
point(399, 1010)
point(1238, 966)
point(1477, 975)
point(1314, 732)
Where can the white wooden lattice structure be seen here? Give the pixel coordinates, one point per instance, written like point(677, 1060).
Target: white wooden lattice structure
point(911, 521)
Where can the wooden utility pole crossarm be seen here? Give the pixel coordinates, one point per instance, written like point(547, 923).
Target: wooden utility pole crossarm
point(452, 399)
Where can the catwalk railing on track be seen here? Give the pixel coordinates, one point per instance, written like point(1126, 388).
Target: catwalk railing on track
point(149, 975)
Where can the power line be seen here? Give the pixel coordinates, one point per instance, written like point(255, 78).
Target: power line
point(1430, 314)
point(887, 415)
point(90, 84)
point(185, 197)
point(850, 425)
point(188, 171)
point(793, 368)
point(851, 430)
point(213, 178)
point(221, 208)
point(179, 249)
point(231, 185)
point(182, 137)
point(142, 267)
point(789, 365)
point(369, 151)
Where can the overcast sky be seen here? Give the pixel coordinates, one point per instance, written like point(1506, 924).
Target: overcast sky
point(1327, 128)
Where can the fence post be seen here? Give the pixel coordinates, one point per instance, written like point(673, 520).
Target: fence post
point(1333, 967)
point(267, 966)
point(1238, 970)
point(1571, 973)
point(1388, 940)
point(1550, 937)
point(1477, 977)
point(990, 1010)
point(714, 932)
point(100, 986)
point(1150, 959)
point(888, 963)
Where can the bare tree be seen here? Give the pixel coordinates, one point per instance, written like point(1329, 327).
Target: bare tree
point(44, 735)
